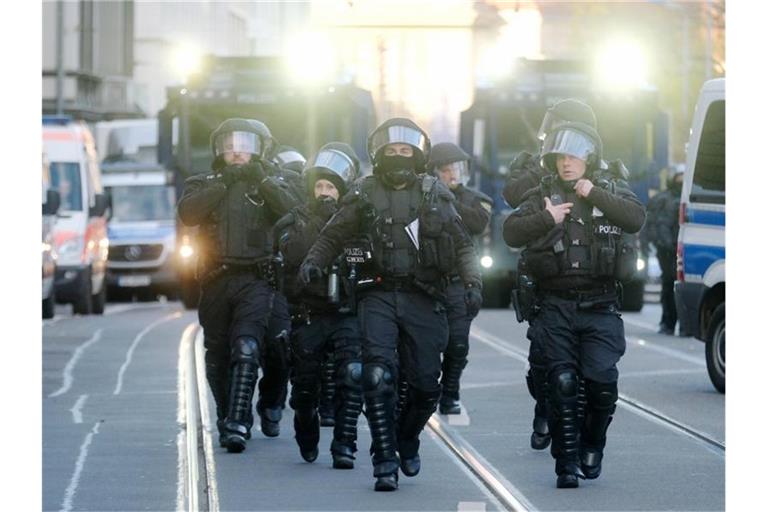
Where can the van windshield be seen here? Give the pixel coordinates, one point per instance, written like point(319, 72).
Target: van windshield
point(142, 203)
point(65, 177)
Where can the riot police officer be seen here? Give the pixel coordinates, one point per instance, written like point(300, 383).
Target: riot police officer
point(414, 237)
point(288, 165)
point(572, 226)
point(245, 319)
point(323, 317)
point(526, 173)
point(661, 230)
point(450, 164)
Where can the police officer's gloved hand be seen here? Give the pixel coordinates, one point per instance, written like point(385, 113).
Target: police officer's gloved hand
point(308, 272)
point(231, 174)
point(473, 297)
point(254, 171)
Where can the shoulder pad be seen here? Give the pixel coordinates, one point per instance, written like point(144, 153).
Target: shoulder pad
point(532, 192)
point(356, 191)
point(484, 198)
point(618, 170)
point(520, 160)
point(440, 188)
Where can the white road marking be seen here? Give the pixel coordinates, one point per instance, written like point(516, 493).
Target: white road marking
point(67, 376)
point(480, 385)
point(69, 494)
point(459, 420)
point(77, 416)
point(136, 340)
point(181, 420)
point(657, 373)
point(471, 506)
point(207, 425)
point(640, 323)
point(640, 342)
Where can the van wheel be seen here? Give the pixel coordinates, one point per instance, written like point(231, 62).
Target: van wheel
point(99, 300)
point(83, 304)
point(49, 305)
point(715, 348)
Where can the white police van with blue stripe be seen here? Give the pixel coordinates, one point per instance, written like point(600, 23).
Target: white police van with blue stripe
point(700, 284)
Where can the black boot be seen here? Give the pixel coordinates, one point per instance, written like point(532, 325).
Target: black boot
point(270, 419)
point(344, 443)
point(217, 374)
point(420, 407)
point(236, 426)
point(601, 404)
point(306, 423)
point(378, 385)
point(564, 386)
point(327, 391)
point(536, 379)
point(449, 382)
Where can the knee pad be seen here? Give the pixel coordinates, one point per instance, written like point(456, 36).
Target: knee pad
point(351, 374)
point(602, 395)
point(458, 349)
point(376, 378)
point(245, 349)
point(565, 383)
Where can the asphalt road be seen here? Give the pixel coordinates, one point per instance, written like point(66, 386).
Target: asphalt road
point(114, 430)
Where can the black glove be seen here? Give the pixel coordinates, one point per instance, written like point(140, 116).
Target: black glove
point(522, 160)
point(308, 272)
point(473, 297)
point(254, 171)
point(231, 174)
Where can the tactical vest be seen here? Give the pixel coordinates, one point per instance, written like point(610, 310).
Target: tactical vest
point(394, 252)
point(586, 244)
point(240, 232)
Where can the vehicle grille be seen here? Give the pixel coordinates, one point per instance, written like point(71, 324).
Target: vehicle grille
point(135, 252)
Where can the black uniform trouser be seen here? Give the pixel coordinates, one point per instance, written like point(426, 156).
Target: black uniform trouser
point(578, 344)
point(236, 305)
point(667, 262)
point(310, 342)
point(420, 325)
point(537, 373)
point(455, 357)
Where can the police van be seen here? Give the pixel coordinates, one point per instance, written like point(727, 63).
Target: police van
point(700, 283)
point(80, 235)
point(50, 203)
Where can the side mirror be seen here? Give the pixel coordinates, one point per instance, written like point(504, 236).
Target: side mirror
point(99, 207)
point(52, 202)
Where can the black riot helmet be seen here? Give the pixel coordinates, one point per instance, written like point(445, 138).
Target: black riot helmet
point(402, 131)
point(448, 157)
point(288, 157)
point(241, 135)
point(567, 111)
point(335, 162)
point(575, 139)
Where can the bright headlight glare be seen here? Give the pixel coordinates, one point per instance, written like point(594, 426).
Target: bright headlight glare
point(486, 261)
point(640, 264)
point(186, 251)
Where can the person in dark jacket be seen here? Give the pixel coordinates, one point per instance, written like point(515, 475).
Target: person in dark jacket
point(410, 238)
point(661, 230)
point(451, 165)
point(571, 228)
point(322, 315)
point(244, 316)
point(525, 173)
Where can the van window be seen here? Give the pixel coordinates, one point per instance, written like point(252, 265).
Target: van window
point(709, 174)
point(65, 177)
point(142, 203)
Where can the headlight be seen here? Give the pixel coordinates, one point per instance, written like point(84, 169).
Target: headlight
point(640, 264)
point(486, 261)
point(186, 251)
point(72, 246)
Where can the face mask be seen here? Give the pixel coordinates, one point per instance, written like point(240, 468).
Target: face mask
point(397, 170)
point(325, 207)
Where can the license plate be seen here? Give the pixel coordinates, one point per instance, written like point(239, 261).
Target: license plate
point(133, 281)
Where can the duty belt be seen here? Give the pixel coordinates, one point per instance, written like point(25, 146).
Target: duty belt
point(261, 270)
point(592, 296)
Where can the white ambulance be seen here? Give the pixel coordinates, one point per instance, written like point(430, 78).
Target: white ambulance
point(80, 235)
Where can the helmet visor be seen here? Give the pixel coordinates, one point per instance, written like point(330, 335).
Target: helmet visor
point(456, 173)
point(399, 134)
point(238, 142)
point(336, 162)
point(568, 142)
point(551, 121)
point(287, 157)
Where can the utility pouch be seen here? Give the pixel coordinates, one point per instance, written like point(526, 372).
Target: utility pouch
point(626, 259)
point(544, 256)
